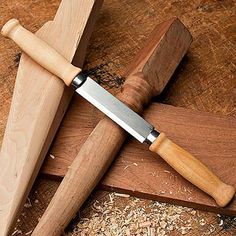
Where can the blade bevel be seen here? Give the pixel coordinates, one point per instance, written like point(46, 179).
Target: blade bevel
point(115, 109)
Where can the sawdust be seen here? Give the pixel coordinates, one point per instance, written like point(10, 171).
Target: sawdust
point(116, 215)
point(121, 214)
point(107, 218)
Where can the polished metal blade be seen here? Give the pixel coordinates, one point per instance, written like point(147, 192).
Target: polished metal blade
point(115, 109)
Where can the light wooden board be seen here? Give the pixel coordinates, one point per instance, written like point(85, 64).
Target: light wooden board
point(38, 105)
point(211, 138)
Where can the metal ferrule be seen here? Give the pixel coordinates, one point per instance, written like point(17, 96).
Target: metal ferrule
point(78, 80)
point(152, 136)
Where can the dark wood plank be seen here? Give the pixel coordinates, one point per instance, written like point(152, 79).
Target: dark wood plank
point(209, 137)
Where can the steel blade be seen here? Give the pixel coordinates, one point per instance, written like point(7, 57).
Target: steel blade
point(115, 109)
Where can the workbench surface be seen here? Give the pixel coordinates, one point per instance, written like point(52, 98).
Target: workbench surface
point(205, 81)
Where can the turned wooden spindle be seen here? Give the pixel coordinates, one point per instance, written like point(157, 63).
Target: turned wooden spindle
point(147, 77)
point(136, 92)
point(92, 161)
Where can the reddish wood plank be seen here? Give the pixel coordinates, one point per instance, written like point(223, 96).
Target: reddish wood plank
point(137, 171)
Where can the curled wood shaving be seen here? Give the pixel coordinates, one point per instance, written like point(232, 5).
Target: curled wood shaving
point(52, 156)
point(132, 218)
point(121, 195)
point(28, 204)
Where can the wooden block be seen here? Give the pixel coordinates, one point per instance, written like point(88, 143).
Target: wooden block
point(38, 105)
point(139, 172)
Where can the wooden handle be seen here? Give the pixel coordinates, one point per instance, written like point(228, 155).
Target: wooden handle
point(40, 51)
point(193, 170)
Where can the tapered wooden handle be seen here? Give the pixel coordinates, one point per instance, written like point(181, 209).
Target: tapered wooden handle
point(193, 170)
point(40, 51)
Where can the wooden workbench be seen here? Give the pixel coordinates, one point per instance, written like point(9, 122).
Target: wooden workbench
point(204, 81)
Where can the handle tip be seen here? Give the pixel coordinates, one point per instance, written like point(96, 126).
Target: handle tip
point(9, 27)
point(225, 195)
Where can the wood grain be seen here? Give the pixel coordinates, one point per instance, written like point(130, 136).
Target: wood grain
point(193, 170)
point(33, 118)
point(205, 80)
point(168, 43)
point(137, 170)
point(40, 51)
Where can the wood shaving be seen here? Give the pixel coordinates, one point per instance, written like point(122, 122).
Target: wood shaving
point(28, 233)
point(221, 222)
point(145, 224)
point(202, 222)
point(28, 204)
point(16, 232)
point(132, 219)
point(126, 167)
point(121, 195)
point(52, 156)
point(226, 222)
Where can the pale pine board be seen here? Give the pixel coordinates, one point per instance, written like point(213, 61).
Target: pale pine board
point(137, 171)
point(38, 105)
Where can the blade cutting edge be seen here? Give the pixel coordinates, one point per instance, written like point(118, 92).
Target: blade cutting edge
point(115, 109)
